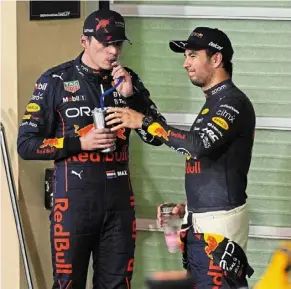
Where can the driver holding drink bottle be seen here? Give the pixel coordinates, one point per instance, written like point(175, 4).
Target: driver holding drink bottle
point(93, 210)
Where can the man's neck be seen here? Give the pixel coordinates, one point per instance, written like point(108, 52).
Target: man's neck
point(216, 80)
point(87, 61)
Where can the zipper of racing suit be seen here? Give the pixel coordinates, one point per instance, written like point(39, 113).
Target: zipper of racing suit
point(105, 176)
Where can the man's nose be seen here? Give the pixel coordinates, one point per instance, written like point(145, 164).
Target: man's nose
point(186, 63)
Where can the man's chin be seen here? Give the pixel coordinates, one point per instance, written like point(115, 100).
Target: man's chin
point(196, 82)
point(106, 67)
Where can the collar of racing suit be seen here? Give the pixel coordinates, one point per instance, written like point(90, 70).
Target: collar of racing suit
point(90, 73)
point(218, 88)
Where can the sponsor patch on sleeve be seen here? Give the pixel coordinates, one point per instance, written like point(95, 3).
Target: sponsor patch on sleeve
point(220, 122)
point(156, 129)
point(32, 107)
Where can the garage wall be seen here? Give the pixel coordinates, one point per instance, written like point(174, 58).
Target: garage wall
point(262, 43)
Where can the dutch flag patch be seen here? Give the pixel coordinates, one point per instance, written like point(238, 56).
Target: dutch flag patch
point(111, 174)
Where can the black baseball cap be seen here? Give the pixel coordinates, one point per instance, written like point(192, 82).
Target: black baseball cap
point(106, 26)
point(211, 39)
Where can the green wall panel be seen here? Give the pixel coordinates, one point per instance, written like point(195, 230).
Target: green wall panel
point(158, 176)
point(262, 69)
point(152, 255)
point(262, 65)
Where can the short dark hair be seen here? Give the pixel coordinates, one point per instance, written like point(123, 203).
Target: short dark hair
point(227, 64)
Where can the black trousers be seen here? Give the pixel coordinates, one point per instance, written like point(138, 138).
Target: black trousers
point(204, 255)
point(93, 213)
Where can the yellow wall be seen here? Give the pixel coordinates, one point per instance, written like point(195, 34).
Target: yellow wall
point(9, 241)
point(40, 45)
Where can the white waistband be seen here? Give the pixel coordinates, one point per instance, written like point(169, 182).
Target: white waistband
point(218, 213)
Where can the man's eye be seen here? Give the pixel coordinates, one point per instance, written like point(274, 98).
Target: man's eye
point(190, 55)
point(117, 44)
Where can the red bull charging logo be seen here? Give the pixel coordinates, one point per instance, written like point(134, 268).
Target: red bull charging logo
point(53, 142)
point(121, 133)
point(102, 23)
point(83, 131)
point(212, 241)
point(156, 129)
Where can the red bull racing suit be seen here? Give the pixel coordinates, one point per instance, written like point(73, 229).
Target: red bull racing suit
point(222, 263)
point(218, 151)
point(93, 208)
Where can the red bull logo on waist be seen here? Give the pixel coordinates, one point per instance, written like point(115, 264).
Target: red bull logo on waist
point(212, 241)
point(193, 168)
point(61, 237)
point(94, 157)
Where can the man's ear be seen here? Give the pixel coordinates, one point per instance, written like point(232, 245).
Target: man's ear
point(84, 41)
point(217, 59)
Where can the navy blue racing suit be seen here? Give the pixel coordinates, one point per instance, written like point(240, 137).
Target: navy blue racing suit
point(218, 151)
point(93, 208)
